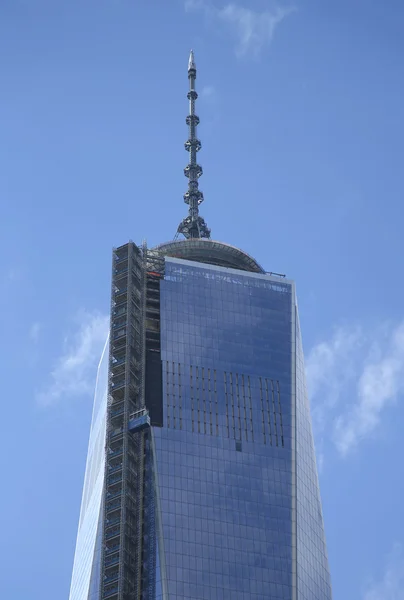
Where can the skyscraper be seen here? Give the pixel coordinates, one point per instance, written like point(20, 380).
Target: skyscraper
point(201, 478)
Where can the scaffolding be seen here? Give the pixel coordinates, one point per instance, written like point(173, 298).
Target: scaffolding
point(128, 548)
point(122, 530)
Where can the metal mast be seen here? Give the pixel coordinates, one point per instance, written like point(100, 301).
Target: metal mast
point(193, 226)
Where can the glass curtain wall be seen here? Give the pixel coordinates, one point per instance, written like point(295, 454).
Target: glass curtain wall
point(86, 573)
point(224, 455)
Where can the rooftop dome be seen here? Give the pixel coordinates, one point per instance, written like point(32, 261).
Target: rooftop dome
point(210, 252)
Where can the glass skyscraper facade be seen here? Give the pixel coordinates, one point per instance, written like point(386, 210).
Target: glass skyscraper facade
point(201, 480)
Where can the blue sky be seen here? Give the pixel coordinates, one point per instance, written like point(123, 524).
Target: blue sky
point(302, 122)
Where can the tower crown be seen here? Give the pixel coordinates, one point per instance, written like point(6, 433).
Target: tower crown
point(193, 226)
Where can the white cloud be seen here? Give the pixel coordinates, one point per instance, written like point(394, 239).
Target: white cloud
point(352, 378)
point(380, 382)
point(391, 586)
point(330, 366)
point(74, 371)
point(327, 363)
point(252, 29)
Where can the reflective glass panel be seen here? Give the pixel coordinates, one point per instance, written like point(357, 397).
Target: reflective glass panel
point(86, 573)
point(224, 454)
point(312, 562)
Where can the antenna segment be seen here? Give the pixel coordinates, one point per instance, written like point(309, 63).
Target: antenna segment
point(193, 226)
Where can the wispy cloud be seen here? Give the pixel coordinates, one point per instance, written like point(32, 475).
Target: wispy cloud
point(381, 381)
point(74, 370)
point(391, 586)
point(352, 378)
point(329, 367)
point(253, 29)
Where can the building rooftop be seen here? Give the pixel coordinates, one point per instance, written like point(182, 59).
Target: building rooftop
point(211, 252)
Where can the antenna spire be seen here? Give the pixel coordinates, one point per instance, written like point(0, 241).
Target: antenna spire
point(193, 226)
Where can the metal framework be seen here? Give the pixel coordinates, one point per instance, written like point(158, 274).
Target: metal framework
point(121, 554)
point(128, 546)
point(193, 226)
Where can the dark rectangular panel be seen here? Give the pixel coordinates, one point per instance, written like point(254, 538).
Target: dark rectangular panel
point(154, 387)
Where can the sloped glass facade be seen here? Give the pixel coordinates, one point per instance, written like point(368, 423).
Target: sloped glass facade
point(86, 567)
point(312, 562)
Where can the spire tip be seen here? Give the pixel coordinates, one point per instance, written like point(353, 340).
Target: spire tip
point(191, 61)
